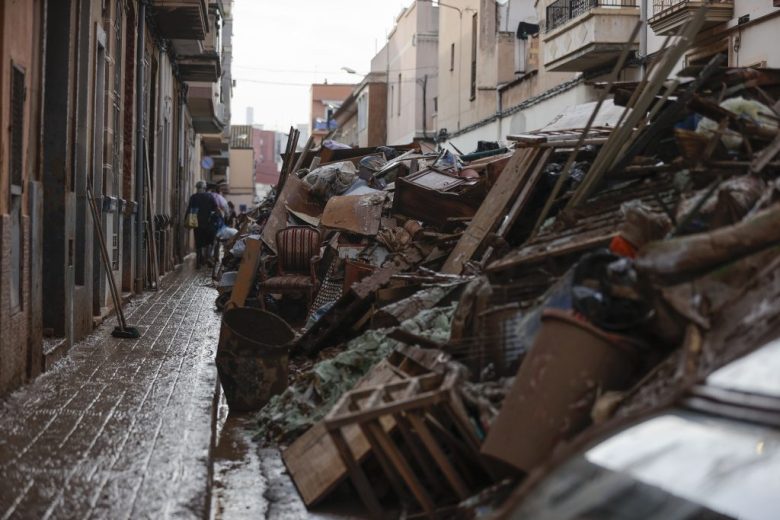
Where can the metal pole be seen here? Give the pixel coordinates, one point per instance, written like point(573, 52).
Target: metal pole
point(643, 37)
point(460, 59)
point(424, 84)
point(140, 257)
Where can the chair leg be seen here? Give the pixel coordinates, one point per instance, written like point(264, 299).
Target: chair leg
point(261, 294)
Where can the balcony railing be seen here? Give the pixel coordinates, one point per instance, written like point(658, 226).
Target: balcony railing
point(664, 5)
point(561, 11)
point(670, 15)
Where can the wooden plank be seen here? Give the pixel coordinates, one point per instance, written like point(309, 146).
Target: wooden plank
point(247, 272)
point(305, 153)
point(492, 210)
point(520, 202)
point(359, 478)
point(452, 476)
point(566, 170)
point(766, 155)
point(401, 465)
point(527, 138)
point(622, 135)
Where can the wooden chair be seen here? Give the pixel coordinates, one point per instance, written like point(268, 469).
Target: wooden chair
point(297, 257)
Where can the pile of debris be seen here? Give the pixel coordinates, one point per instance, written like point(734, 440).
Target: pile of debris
point(459, 318)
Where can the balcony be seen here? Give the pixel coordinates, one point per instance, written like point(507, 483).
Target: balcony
point(670, 15)
point(582, 35)
point(181, 19)
point(205, 109)
point(204, 67)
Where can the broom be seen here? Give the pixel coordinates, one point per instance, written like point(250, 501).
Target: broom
point(123, 330)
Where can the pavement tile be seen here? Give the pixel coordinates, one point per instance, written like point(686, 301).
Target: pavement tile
point(121, 428)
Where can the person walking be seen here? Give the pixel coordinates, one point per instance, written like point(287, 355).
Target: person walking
point(203, 205)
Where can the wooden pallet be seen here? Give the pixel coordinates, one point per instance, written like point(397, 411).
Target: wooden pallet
point(436, 439)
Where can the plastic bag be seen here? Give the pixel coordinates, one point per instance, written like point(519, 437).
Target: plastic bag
point(226, 233)
point(192, 219)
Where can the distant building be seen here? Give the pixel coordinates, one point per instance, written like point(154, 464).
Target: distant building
point(411, 64)
point(362, 118)
point(264, 145)
point(326, 98)
point(241, 178)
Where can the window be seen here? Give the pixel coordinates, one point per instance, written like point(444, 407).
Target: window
point(362, 112)
point(392, 97)
point(473, 90)
point(436, 105)
point(15, 181)
point(452, 57)
point(399, 95)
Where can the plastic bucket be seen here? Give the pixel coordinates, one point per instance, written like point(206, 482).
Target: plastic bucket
point(571, 361)
point(252, 357)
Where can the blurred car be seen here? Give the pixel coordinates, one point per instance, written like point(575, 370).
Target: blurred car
point(715, 454)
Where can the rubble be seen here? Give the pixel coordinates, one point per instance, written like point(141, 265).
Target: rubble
point(476, 312)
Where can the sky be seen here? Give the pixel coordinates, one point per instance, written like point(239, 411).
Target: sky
point(280, 47)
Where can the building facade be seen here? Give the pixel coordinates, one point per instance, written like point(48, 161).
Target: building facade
point(98, 99)
point(411, 65)
point(263, 143)
point(362, 118)
point(241, 178)
point(514, 66)
point(326, 98)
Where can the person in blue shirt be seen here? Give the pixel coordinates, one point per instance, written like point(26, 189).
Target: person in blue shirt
point(204, 205)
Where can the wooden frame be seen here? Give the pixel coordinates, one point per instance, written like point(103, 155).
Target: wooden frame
point(420, 407)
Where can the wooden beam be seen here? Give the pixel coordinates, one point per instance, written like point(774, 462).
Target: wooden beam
point(492, 210)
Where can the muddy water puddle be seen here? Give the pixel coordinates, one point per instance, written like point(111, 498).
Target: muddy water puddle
point(252, 483)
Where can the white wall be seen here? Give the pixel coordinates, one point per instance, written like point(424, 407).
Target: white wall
point(526, 120)
point(411, 52)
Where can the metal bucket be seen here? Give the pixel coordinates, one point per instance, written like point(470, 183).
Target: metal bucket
point(252, 357)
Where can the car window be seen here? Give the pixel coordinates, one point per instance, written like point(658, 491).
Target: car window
point(755, 373)
point(681, 465)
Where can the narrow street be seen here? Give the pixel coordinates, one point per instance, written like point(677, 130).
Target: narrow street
point(409, 259)
point(121, 428)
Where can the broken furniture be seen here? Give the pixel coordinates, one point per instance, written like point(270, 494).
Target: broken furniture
point(437, 443)
point(504, 204)
point(296, 264)
point(434, 197)
point(312, 459)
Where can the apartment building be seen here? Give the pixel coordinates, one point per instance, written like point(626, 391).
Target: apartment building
point(411, 65)
point(513, 66)
point(101, 97)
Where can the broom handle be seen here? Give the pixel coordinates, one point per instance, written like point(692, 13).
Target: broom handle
point(106, 262)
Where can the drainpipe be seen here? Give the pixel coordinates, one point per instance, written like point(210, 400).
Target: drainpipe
point(140, 257)
point(643, 36)
point(499, 109)
point(424, 84)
